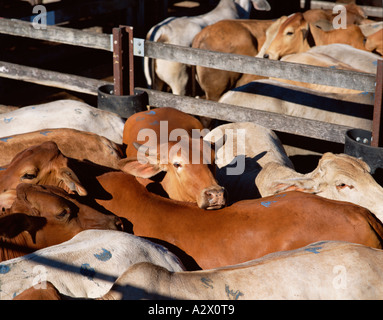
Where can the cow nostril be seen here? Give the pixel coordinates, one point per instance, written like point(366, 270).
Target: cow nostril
point(266, 56)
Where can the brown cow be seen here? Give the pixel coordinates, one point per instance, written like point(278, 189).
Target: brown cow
point(374, 42)
point(41, 164)
point(42, 216)
point(188, 177)
point(72, 143)
point(297, 35)
point(243, 231)
point(244, 37)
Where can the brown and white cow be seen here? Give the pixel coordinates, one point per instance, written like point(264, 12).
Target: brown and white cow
point(176, 147)
point(42, 216)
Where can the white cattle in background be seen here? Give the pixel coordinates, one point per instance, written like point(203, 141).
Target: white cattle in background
point(85, 266)
point(63, 114)
point(181, 31)
point(358, 59)
point(337, 177)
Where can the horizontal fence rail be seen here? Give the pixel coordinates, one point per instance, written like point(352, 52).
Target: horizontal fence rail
point(50, 78)
point(274, 121)
point(262, 67)
point(56, 34)
point(230, 62)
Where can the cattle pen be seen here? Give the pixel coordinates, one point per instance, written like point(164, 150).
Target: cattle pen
point(368, 83)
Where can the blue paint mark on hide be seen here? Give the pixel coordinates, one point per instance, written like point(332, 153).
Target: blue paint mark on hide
point(314, 249)
point(87, 271)
point(267, 204)
point(280, 195)
point(151, 112)
point(140, 118)
point(8, 120)
point(44, 133)
point(1, 169)
point(4, 269)
point(5, 139)
point(105, 255)
point(154, 123)
point(375, 63)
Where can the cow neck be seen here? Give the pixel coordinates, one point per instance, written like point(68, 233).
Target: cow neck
point(15, 247)
point(131, 199)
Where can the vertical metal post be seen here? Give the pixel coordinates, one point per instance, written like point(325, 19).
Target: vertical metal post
point(123, 61)
point(377, 132)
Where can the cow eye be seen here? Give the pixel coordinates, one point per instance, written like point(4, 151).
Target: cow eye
point(63, 213)
point(290, 33)
point(341, 186)
point(29, 176)
point(177, 165)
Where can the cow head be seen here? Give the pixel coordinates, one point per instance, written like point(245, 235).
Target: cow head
point(188, 177)
point(291, 38)
point(337, 177)
point(41, 164)
point(47, 215)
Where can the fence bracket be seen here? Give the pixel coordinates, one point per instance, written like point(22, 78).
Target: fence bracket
point(139, 47)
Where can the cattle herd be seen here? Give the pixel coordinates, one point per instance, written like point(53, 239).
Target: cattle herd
point(158, 206)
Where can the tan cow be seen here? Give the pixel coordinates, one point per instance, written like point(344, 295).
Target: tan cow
point(176, 147)
point(244, 37)
point(42, 216)
point(337, 176)
point(72, 143)
point(297, 35)
point(374, 42)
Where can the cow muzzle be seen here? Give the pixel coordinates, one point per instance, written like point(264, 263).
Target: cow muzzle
point(212, 198)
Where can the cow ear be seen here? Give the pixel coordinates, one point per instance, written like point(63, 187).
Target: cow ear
point(13, 224)
point(138, 169)
point(303, 185)
point(7, 198)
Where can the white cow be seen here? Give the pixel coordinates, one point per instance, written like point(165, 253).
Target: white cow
point(337, 176)
point(242, 149)
point(63, 114)
point(358, 59)
point(181, 31)
point(85, 266)
point(324, 270)
point(270, 95)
